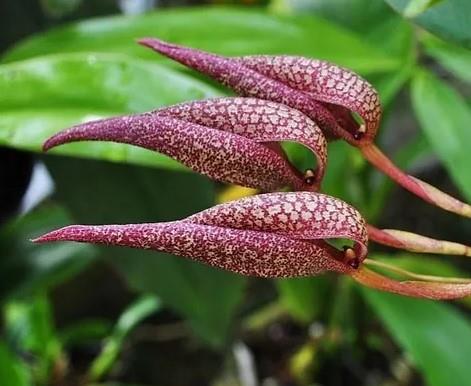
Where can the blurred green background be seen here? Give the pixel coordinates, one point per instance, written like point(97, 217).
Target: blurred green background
point(74, 314)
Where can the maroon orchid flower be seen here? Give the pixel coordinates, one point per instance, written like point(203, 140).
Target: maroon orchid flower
point(268, 235)
point(326, 93)
point(236, 140)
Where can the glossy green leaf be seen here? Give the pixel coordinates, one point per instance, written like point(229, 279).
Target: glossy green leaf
point(454, 58)
point(415, 7)
point(447, 19)
point(230, 31)
point(42, 96)
point(444, 116)
point(207, 297)
point(435, 336)
point(13, 372)
point(26, 268)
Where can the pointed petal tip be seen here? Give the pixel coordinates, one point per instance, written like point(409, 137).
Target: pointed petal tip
point(49, 144)
point(154, 43)
point(147, 41)
point(68, 233)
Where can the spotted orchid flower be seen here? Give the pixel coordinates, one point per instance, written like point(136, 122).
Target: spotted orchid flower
point(326, 93)
point(268, 235)
point(236, 140)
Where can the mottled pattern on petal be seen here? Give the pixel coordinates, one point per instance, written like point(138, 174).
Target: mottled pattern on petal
point(247, 82)
point(260, 76)
point(220, 155)
point(241, 251)
point(300, 215)
point(256, 119)
point(325, 81)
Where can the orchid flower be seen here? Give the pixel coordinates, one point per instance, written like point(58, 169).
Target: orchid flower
point(268, 235)
point(236, 140)
point(326, 93)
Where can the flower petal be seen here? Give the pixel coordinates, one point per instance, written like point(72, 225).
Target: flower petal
point(326, 82)
point(220, 155)
point(299, 215)
point(244, 81)
point(256, 119)
point(324, 92)
point(419, 289)
point(241, 251)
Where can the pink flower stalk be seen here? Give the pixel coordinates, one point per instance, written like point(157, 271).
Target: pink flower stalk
point(326, 93)
point(236, 140)
point(268, 235)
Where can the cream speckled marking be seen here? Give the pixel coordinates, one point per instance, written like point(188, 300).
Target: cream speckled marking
point(235, 237)
point(228, 139)
point(325, 81)
point(323, 91)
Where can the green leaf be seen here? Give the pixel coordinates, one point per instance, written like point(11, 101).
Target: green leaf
point(437, 337)
point(446, 19)
point(454, 58)
point(42, 96)
point(135, 313)
point(207, 297)
point(358, 15)
point(229, 31)
point(416, 7)
point(304, 298)
point(444, 116)
point(12, 371)
point(26, 268)
point(30, 328)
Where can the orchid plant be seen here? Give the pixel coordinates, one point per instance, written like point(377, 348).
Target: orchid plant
point(238, 140)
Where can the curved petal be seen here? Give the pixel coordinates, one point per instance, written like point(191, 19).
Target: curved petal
point(324, 92)
point(241, 251)
point(256, 119)
point(419, 289)
point(299, 215)
point(220, 155)
point(326, 82)
point(247, 82)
